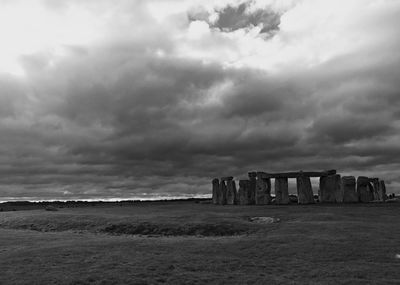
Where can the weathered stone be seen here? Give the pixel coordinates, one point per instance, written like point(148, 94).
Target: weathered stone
point(231, 192)
point(222, 193)
point(376, 188)
point(349, 189)
point(371, 190)
point(364, 189)
point(379, 189)
point(226, 178)
point(215, 190)
point(263, 191)
point(330, 189)
point(383, 190)
point(281, 191)
point(304, 190)
point(243, 194)
point(252, 174)
point(253, 186)
point(295, 174)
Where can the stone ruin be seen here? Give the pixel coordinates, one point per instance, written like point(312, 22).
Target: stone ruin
point(332, 189)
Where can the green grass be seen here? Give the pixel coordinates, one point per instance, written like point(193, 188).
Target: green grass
point(188, 243)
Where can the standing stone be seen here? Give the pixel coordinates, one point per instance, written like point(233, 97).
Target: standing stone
point(349, 189)
point(376, 189)
point(222, 193)
point(231, 192)
point(281, 191)
point(227, 178)
point(243, 195)
point(252, 189)
point(304, 190)
point(383, 190)
point(330, 189)
point(215, 190)
point(263, 191)
point(371, 191)
point(364, 189)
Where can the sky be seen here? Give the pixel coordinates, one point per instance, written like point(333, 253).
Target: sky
point(103, 99)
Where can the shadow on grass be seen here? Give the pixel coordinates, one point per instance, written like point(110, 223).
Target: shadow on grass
point(172, 226)
point(203, 229)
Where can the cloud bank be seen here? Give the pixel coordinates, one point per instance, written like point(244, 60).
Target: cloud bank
point(155, 98)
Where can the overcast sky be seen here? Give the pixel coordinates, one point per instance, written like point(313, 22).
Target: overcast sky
point(120, 99)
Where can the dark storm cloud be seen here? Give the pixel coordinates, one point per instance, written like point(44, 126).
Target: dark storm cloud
point(231, 18)
point(154, 122)
point(347, 128)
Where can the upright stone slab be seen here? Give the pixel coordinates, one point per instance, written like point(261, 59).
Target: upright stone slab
point(364, 190)
point(231, 192)
point(371, 190)
point(243, 194)
point(330, 189)
point(383, 190)
point(304, 190)
point(215, 190)
point(252, 189)
point(222, 193)
point(263, 191)
point(281, 191)
point(376, 189)
point(349, 189)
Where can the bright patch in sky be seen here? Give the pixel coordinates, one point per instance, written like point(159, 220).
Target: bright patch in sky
point(310, 32)
point(27, 27)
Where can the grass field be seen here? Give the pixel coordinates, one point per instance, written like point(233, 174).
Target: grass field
point(198, 243)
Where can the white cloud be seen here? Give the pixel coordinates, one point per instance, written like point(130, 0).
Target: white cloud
point(311, 33)
point(197, 30)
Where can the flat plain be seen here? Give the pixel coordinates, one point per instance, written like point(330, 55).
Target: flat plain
point(200, 243)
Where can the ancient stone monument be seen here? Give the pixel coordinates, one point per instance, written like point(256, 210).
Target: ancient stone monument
point(349, 189)
point(281, 191)
point(231, 192)
point(244, 195)
point(304, 190)
point(222, 192)
point(263, 191)
point(376, 188)
point(364, 189)
point(253, 185)
point(382, 190)
point(215, 191)
point(379, 189)
point(332, 188)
